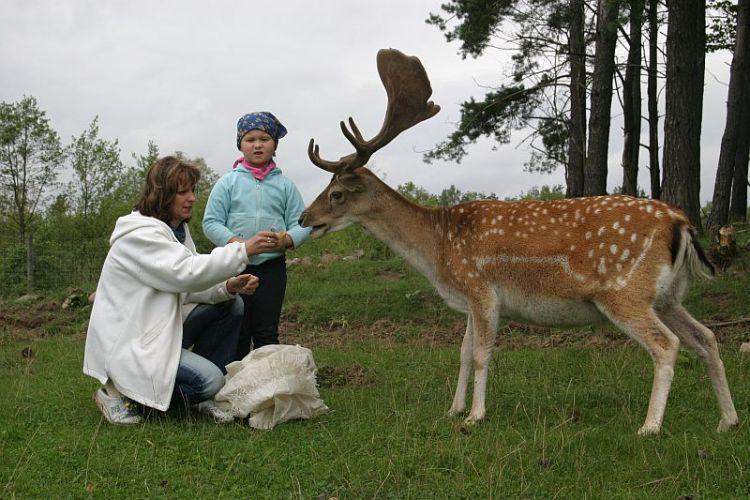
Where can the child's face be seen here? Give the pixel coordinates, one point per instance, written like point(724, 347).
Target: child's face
point(257, 147)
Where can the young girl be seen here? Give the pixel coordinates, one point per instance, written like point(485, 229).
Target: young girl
point(255, 196)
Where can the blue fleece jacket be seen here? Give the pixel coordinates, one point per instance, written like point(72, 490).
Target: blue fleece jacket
point(241, 205)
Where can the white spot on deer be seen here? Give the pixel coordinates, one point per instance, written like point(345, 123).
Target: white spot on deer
point(464, 261)
point(633, 237)
point(625, 255)
point(572, 247)
point(616, 225)
point(600, 231)
point(460, 210)
point(627, 218)
point(649, 208)
point(517, 233)
point(601, 245)
point(544, 212)
point(450, 236)
point(588, 235)
point(493, 221)
point(543, 227)
point(591, 253)
point(621, 231)
point(602, 268)
point(552, 220)
point(658, 214)
point(618, 266)
point(484, 220)
point(567, 235)
point(613, 249)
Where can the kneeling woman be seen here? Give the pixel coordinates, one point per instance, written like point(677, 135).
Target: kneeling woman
point(157, 297)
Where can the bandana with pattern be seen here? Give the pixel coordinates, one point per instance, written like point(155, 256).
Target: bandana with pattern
point(262, 120)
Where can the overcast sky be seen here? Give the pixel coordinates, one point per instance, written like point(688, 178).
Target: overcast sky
point(182, 73)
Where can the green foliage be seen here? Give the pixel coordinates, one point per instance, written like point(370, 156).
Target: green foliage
point(478, 21)
point(545, 193)
point(721, 31)
point(30, 159)
point(501, 111)
point(537, 97)
point(96, 164)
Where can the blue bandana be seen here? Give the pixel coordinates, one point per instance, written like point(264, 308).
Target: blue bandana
point(262, 120)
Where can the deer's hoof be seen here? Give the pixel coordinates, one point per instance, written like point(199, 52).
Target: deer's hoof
point(649, 430)
point(472, 420)
point(727, 423)
point(453, 412)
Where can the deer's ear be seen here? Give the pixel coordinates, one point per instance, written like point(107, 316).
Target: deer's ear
point(351, 182)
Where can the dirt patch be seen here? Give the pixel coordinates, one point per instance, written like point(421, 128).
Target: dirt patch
point(28, 317)
point(355, 375)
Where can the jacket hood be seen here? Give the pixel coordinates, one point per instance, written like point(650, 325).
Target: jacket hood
point(133, 221)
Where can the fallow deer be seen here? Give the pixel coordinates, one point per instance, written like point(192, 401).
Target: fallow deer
point(558, 263)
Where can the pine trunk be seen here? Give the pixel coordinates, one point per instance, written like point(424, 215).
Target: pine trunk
point(686, 43)
point(632, 102)
point(653, 100)
point(595, 175)
point(577, 125)
point(737, 101)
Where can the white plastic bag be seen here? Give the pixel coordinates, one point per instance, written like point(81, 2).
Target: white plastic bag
point(271, 385)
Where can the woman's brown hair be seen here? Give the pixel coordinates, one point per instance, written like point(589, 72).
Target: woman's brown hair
point(163, 180)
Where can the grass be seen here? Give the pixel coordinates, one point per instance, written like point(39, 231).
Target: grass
point(561, 421)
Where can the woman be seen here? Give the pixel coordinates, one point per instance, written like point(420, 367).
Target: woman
point(157, 297)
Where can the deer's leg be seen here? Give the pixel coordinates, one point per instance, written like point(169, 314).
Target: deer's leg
point(641, 323)
point(459, 398)
point(484, 325)
point(703, 341)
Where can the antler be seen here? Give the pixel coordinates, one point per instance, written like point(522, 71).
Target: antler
point(408, 89)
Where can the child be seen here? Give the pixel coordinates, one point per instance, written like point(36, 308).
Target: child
point(255, 196)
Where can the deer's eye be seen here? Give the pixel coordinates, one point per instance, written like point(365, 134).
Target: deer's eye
point(336, 195)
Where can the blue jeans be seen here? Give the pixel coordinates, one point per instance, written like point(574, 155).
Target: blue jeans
point(213, 331)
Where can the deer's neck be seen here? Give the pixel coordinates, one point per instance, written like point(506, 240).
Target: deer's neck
point(408, 229)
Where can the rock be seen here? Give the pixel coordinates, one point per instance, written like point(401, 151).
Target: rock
point(75, 299)
point(745, 348)
point(293, 262)
point(27, 298)
point(92, 297)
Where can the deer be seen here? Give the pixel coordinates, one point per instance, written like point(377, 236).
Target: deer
point(561, 263)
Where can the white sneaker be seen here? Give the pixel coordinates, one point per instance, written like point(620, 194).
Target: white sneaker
point(209, 408)
point(117, 410)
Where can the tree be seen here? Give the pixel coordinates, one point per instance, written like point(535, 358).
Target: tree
point(737, 102)
point(536, 97)
point(595, 177)
point(653, 100)
point(574, 173)
point(686, 44)
point(96, 164)
point(632, 101)
point(30, 158)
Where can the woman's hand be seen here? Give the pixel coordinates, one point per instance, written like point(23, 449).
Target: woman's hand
point(263, 241)
point(244, 283)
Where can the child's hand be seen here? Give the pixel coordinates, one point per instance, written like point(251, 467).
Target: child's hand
point(263, 241)
point(244, 283)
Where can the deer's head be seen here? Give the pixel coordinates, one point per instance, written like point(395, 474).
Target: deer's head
point(350, 193)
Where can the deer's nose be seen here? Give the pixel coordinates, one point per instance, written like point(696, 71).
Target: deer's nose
point(302, 219)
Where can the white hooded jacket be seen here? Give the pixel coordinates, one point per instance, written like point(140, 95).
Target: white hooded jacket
point(149, 283)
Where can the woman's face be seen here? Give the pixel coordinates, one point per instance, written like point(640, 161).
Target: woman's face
point(182, 205)
point(257, 147)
